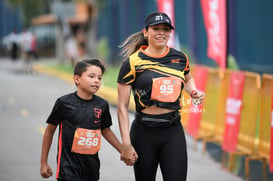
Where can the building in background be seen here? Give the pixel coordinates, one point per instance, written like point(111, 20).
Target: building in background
point(249, 30)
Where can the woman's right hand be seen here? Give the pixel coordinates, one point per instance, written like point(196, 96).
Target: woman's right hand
point(128, 155)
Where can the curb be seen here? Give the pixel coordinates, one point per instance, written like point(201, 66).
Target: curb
point(108, 93)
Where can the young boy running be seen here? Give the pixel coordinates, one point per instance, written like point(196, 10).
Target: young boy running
point(82, 118)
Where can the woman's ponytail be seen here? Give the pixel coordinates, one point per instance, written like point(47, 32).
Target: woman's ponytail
point(132, 44)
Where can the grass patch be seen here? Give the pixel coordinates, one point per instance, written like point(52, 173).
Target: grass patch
point(109, 78)
point(60, 66)
point(65, 68)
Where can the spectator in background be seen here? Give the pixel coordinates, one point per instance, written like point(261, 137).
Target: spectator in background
point(13, 38)
point(81, 42)
point(76, 45)
point(33, 47)
point(71, 49)
point(26, 44)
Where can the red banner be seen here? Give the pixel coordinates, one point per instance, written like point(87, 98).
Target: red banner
point(200, 78)
point(167, 6)
point(214, 12)
point(271, 137)
point(233, 111)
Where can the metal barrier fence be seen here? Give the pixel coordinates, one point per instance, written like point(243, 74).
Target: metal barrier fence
point(263, 142)
point(254, 130)
point(247, 144)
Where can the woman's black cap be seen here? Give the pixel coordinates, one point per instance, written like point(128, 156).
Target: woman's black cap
point(158, 18)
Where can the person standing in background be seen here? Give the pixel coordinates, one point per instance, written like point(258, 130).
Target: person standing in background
point(13, 38)
point(25, 43)
point(33, 47)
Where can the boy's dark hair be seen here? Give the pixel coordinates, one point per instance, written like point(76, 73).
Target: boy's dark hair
point(81, 66)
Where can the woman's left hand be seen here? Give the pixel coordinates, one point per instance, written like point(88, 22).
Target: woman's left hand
point(197, 96)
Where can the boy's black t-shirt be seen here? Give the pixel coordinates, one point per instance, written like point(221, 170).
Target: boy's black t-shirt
point(71, 112)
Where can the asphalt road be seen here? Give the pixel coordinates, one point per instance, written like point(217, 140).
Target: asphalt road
point(25, 102)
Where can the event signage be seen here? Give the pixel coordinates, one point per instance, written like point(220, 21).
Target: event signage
point(214, 12)
point(271, 134)
point(200, 77)
point(233, 111)
point(167, 6)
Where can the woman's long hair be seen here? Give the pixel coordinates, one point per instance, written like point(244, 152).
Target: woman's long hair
point(132, 44)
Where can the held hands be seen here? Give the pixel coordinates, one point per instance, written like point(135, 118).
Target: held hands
point(45, 170)
point(128, 155)
point(197, 97)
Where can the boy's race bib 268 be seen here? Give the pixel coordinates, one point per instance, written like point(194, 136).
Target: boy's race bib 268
point(86, 141)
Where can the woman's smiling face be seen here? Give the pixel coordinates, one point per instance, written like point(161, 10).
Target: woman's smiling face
point(158, 35)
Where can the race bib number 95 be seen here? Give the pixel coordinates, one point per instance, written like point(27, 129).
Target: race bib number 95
point(166, 89)
point(86, 141)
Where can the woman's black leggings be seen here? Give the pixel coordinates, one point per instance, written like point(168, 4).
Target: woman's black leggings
point(164, 145)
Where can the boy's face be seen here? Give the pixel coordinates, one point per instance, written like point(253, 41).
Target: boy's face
point(90, 80)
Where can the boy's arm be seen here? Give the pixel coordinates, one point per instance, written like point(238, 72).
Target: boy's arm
point(108, 134)
point(45, 170)
point(126, 155)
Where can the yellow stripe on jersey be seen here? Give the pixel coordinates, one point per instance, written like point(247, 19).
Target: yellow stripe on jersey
point(140, 102)
point(140, 64)
point(132, 71)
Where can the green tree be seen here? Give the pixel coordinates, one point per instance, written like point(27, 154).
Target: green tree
point(90, 27)
point(34, 8)
point(30, 8)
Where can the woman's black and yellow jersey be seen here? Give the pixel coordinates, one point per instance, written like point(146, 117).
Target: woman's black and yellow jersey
point(155, 80)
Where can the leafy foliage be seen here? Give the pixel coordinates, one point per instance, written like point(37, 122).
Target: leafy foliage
point(30, 8)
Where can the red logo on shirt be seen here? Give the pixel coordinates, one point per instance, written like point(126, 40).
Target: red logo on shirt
point(175, 60)
point(97, 112)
